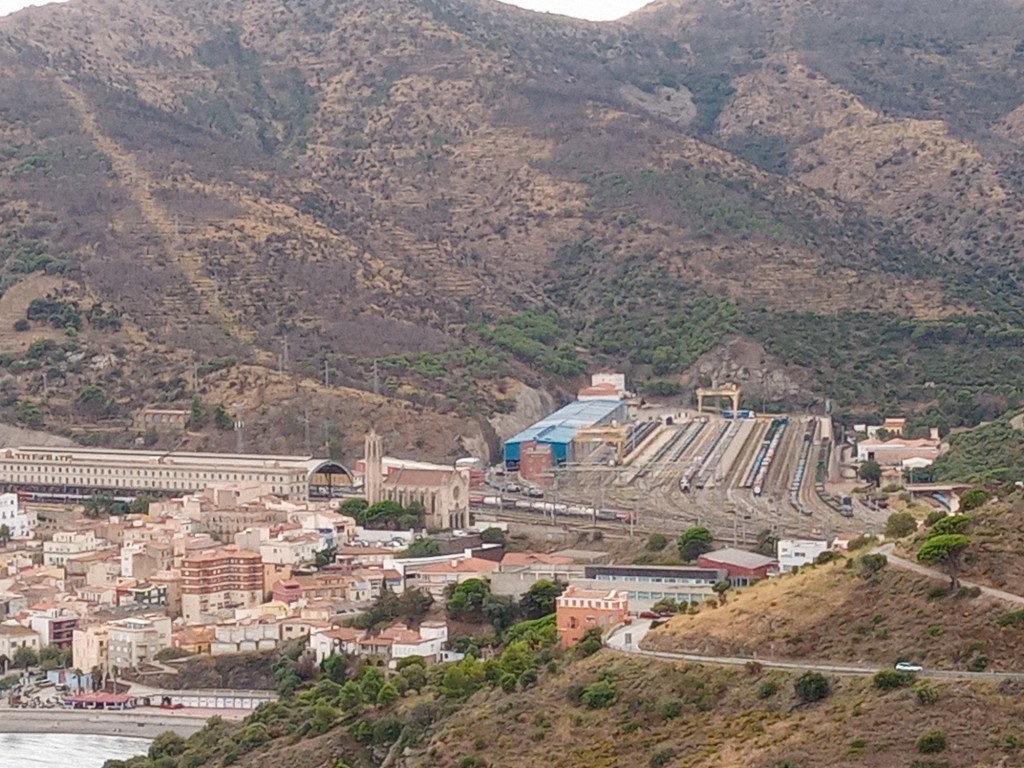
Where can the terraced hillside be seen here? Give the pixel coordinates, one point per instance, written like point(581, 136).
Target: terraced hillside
point(441, 201)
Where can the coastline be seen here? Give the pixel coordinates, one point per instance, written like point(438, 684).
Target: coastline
point(135, 723)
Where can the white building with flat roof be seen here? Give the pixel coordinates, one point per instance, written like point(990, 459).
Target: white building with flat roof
point(21, 523)
point(794, 553)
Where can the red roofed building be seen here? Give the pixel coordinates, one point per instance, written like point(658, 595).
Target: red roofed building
point(435, 578)
point(602, 391)
point(742, 567)
point(518, 559)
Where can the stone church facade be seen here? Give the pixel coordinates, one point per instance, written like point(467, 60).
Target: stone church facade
point(443, 493)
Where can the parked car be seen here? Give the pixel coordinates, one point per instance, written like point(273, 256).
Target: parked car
point(906, 666)
point(513, 488)
point(535, 493)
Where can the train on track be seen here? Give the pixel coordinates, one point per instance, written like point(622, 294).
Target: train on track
point(548, 508)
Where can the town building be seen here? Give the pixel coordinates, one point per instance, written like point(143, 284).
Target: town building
point(578, 610)
point(21, 522)
point(263, 634)
point(280, 547)
point(162, 419)
point(391, 644)
point(437, 577)
point(443, 494)
point(742, 568)
point(53, 473)
point(794, 553)
point(66, 545)
point(559, 430)
point(220, 579)
point(54, 623)
point(89, 647)
point(895, 451)
point(645, 585)
point(12, 637)
point(136, 640)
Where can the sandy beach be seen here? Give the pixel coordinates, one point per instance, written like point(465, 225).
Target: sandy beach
point(140, 723)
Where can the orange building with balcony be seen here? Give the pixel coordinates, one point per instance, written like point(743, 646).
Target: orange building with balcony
point(577, 610)
point(220, 579)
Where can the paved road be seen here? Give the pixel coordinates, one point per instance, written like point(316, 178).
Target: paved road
point(910, 565)
point(627, 639)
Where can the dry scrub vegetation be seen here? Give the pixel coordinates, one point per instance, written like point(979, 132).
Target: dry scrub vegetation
point(839, 181)
point(703, 717)
point(834, 612)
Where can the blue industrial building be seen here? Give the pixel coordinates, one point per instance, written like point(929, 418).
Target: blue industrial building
point(559, 429)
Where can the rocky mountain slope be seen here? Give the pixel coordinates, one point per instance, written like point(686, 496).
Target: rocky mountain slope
point(442, 200)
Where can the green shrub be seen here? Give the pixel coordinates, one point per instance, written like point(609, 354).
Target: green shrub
point(656, 542)
point(931, 742)
point(670, 708)
point(974, 498)
point(660, 758)
point(926, 694)
point(977, 663)
point(599, 695)
point(900, 524)
point(1011, 619)
point(828, 556)
point(811, 687)
point(872, 564)
point(891, 679)
point(767, 689)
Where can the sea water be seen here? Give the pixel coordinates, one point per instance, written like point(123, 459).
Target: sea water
point(61, 750)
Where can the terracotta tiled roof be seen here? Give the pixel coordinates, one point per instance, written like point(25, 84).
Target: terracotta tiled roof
point(530, 558)
point(428, 478)
point(466, 565)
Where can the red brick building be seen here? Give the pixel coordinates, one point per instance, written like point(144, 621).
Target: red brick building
point(535, 462)
point(743, 567)
point(577, 610)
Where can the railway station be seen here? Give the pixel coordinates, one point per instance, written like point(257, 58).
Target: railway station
point(719, 465)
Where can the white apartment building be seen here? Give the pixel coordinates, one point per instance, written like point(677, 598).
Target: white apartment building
point(133, 641)
point(245, 636)
point(433, 636)
point(793, 553)
point(68, 544)
point(20, 522)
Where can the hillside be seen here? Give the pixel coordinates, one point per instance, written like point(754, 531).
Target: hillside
point(835, 612)
point(662, 715)
point(294, 205)
point(990, 453)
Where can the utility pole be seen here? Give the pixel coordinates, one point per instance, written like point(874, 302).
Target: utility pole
point(305, 424)
point(327, 436)
point(327, 375)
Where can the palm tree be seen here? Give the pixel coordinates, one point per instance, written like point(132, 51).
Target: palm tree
point(5, 534)
point(79, 674)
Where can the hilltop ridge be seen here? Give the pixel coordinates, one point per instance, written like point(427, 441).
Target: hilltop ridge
point(326, 183)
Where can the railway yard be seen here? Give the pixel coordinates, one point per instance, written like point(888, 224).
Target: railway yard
point(736, 474)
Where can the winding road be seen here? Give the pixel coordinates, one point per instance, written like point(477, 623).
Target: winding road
point(627, 639)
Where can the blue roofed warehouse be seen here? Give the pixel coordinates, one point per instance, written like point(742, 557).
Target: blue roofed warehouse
point(559, 429)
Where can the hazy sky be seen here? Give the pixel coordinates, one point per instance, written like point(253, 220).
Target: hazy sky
point(598, 10)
